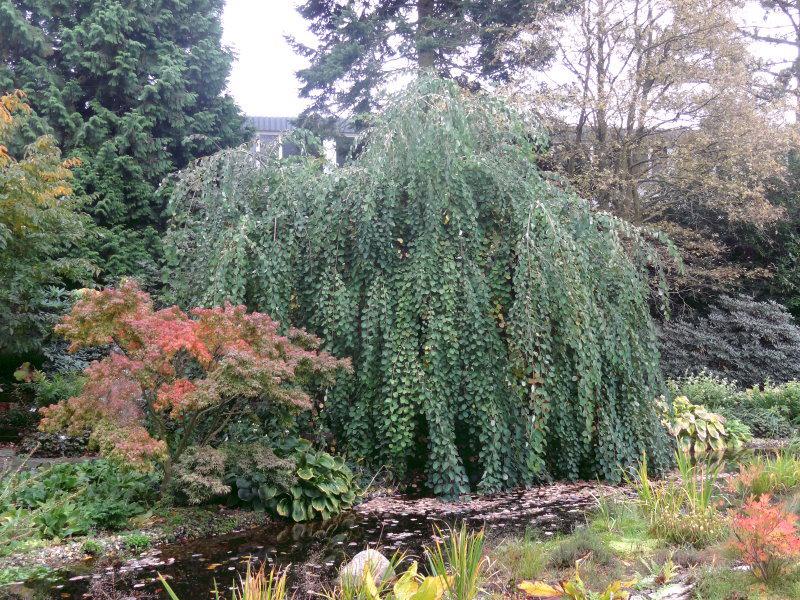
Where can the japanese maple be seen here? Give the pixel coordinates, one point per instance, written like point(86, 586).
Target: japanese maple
point(173, 379)
point(765, 536)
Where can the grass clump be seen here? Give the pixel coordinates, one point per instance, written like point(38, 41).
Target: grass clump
point(683, 511)
point(774, 475)
point(727, 584)
point(255, 585)
point(583, 543)
point(520, 558)
point(458, 560)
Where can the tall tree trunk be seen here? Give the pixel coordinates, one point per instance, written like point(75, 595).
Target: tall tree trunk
point(426, 55)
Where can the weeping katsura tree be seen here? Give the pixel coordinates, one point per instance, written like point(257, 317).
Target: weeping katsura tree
point(500, 329)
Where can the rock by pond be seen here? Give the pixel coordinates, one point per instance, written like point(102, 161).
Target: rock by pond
point(315, 551)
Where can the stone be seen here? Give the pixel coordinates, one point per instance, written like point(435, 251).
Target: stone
point(379, 566)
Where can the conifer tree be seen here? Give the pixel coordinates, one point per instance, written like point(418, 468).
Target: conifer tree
point(133, 89)
point(364, 44)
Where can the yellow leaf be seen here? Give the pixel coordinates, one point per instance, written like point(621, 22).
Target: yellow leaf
point(370, 588)
point(407, 585)
point(540, 589)
point(432, 588)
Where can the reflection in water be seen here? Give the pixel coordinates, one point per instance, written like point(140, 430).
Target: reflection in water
point(316, 550)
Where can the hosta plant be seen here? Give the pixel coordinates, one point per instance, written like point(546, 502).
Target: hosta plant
point(700, 432)
point(319, 486)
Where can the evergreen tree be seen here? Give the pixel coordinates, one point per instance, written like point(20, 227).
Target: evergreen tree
point(135, 90)
point(365, 43)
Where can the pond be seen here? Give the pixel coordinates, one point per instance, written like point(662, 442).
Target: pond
point(316, 551)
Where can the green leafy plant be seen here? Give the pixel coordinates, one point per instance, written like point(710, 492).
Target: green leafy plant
point(71, 498)
point(768, 413)
point(136, 542)
point(321, 486)
point(700, 432)
point(706, 389)
point(92, 547)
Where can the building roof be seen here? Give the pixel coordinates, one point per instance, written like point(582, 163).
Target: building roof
point(277, 124)
point(283, 124)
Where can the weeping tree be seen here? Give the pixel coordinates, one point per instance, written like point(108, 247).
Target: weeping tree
point(500, 330)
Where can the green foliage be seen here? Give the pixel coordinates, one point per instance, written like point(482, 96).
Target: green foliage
point(43, 232)
point(683, 511)
point(706, 389)
point(763, 422)
point(136, 542)
point(92, 547)
point(467, 39)
point(318, 485)
point(490, 315)
point(768, 413)
point(72, 498)
point(740, 339)
point(257, 476)
point(784, 399)
point(24, 573)
point(700, 432)
point(50, 389)
point(198, 475)
point(135, 90)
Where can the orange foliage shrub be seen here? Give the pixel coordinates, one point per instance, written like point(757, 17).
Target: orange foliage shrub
point(171, 372)
point(766, 537)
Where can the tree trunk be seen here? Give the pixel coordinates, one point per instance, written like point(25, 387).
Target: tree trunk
point(426, 55)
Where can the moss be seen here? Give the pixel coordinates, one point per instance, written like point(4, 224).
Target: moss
point(24, 573)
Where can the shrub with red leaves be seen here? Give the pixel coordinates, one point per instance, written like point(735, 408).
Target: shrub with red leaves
point(766, 537)
point(173, 379)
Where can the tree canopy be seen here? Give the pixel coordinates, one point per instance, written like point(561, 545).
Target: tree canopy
point(135, 89)
point(363, 45)
point(43, 233)
point(491, 316)
point(660, 114)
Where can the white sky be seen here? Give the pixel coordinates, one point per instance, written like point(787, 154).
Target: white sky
point(262, 79)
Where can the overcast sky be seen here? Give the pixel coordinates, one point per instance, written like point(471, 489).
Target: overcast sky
point(262, 79)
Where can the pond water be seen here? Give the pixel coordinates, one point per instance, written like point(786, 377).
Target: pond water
point(315, 551)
